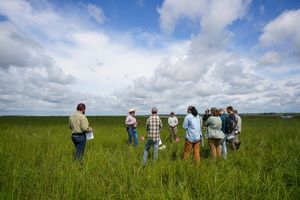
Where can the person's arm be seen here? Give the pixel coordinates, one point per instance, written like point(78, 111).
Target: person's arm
point(207, 122)
point(176, 121)
point(169, 122)
point(70, 124)
point(185, 123)
point(85, 125)
point(160, 124)
point(201, 122)
point(147, 124)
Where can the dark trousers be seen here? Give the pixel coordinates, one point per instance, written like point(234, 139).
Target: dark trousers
point(79, 142)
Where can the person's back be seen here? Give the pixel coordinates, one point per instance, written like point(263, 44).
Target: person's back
point(79, 125)
point(214, 126)
point(78, 122)
point(154, 126)
point(193, 128)
point(223, 117)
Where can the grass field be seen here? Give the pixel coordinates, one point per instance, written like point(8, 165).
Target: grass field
point(36, 163)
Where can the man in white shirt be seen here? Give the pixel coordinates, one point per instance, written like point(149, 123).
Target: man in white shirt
point(239, 129)
point(173, 122)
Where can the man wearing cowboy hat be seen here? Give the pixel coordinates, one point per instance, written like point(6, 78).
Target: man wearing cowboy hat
point(131, 124)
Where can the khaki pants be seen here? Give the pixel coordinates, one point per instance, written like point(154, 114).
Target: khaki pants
point(173, 133)
point(188, 146)
point(215, 148)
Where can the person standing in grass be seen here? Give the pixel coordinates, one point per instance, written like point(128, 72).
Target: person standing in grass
point(233, 127)
point(206, 115)
point(131, 124)
point(79, 125)
point(192, 126)
point(214, 133)
point(239, 129)
point(224, 119)
point(173, 122)
point(153, 126)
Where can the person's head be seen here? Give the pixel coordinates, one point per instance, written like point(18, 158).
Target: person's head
point(154, 111)
point(229, 109)
point(172, 114)
point(81, 107)
point(131, 111)
point(206, 112)
point(221, 111)
point(189, 109)
point(192, 110)
point(214, 111)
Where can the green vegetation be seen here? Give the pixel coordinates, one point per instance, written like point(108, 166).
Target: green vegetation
point(36, 163)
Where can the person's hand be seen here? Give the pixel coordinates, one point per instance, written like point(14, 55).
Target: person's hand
point(89, 129)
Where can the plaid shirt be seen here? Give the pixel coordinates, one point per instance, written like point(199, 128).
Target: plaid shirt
point(154, 126)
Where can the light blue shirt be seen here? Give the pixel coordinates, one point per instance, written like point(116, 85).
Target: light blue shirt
point(192, 125)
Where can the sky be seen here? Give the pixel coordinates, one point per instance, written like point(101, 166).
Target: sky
point(115, 55)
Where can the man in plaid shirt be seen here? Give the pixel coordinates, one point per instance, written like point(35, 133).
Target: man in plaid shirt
point(154, 126)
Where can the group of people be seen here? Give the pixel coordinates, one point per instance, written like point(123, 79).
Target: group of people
point(218, 126)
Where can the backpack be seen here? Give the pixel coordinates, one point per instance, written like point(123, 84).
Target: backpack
point(230, 124)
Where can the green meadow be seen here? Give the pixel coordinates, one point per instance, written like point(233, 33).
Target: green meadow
point(36, 163)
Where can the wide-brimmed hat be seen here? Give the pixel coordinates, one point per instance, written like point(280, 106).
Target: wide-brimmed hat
point(131, 110)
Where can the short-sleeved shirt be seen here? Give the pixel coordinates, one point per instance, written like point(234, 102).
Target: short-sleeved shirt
point(154, 126)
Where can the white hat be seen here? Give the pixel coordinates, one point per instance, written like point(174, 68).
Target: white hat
point(131, 110)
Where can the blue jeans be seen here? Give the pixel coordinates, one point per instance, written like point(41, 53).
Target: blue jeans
point(79, 142)
point(224, 147)
point(132, 133)
point(148, 145)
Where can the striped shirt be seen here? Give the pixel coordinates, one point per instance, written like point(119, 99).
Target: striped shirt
point(154, 126)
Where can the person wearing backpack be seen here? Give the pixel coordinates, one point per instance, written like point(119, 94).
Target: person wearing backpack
point(214, 133)
point(232, 127)
point(225, 127)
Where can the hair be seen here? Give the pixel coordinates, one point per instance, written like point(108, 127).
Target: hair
point(235, 111)
point(193, 110)
point(217, 113)
point(230, 108)
point(154, 110)
point(80, 107)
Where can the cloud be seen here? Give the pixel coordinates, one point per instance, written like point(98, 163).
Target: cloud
point(29, 78)
point(213, 16)
point(283, 32)
point(46, 71)
point(270, 58)
point(95, 12)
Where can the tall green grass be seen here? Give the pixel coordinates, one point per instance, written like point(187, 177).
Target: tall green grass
point(36, 163)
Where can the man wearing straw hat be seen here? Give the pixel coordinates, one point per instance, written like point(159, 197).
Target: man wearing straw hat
point(131, 124)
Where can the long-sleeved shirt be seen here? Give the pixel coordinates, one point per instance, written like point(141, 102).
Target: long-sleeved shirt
point(172, 121)
point(78, 123)
point(239, 123)
point(153, 125)
point(192, 126)
point(131, 121)
point(214, 126)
